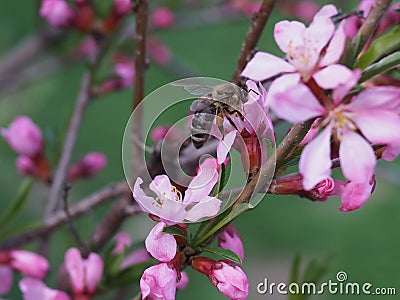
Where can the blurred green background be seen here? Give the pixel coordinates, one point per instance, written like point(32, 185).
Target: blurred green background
point(362, 243)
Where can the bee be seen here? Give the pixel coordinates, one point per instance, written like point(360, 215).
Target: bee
point(221, 100)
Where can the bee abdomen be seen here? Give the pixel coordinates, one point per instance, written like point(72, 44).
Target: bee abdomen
point(201, 126)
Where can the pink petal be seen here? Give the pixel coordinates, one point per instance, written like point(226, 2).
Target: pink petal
point(296, 103)
point(335, 48)
point(208, 207)
point(332, 76)
point(287, 33)
point(328, 10)
point(161, 185)
point(225, 146)
point(160, 245)
point(391, 152)
point(183, 281)
point(319, 32)
point(357, 158)
point(138, 256)
point(356, 194)
point(34, 289)
point(342, 89)
point(383, 97)
point(94, 272)
point(264, 65)
point(75, 269)
point(315, 160)
point(144, 201)
point(379, 126)
point(6, 281)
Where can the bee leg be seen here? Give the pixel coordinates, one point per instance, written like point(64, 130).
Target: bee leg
point(220, 120)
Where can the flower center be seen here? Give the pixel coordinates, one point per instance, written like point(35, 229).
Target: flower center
point(342, 121)
point(174, 195)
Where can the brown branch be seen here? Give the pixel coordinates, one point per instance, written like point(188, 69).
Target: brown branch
point(369, 26)
point(60, 217)
point(252, 37)
point(82, 101)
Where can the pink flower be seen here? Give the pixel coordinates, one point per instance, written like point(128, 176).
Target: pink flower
point(160, 245)
point(26, 166)
point(183, 282)
point(230, 239)
point(88, 166)
point(122, 7)
point(159, 52)
point(123, 240)
point(158, 282)
point(163, 17)
point(34, 289)
point(139, 256)
point(6, 276)
point(29, 263)
point(371, 112)
point(353, 194)
point(230, 281)
point(169, 203)
point(23, 136)
point(310, 52)
point(125, 70)
point(158, 133)
point(56, 12)
point(84, 274)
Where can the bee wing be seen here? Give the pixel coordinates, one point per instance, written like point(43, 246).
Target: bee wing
point(200, 104)
point(195, 89)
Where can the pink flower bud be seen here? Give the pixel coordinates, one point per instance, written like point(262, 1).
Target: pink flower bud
point(29, 263)
point(122, 7)
point(84, 274)
point(25, 166)
point(355, 194)
point(125, 70)
point(23, 136)
point(159, 52)
point(183, 282)
point(158, 133)
point(34, 289)
point(123, 240)
point(56, 12)
point(160, 245)
point(163, 17)
point(230, 281)
point(139, 256)
point(230, 239)
point(158, 282)
point(6, 277)
point(88, 166)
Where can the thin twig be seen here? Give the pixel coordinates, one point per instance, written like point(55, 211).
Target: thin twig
point(369, 26)
point(59, 218)
point(82, 101)
point(252, 37)
point(70, 225)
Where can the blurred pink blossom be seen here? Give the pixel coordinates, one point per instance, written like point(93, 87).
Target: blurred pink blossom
point(158, 282)
point(230, 281)
point(84, 274)
point(24, 137)
point(122, 240)
point(136, 257)
point(56, 12)
point(159, 52)
point(6, 276)
point(230, 239)
point(29, 263)
point(125, 70)
point(25, 166)
point(160, 245)
point(162, 17)
point(88, 166)
point(122, 7)
point(158, 133)
point(34, 289)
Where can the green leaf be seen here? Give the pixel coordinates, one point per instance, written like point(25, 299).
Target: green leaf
point(315, 270)
point(174, 231)
point(382, 66)
point(17, 204)
point(294, 272)
point(225, 253)
point(385, 44)
point(20, 229)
